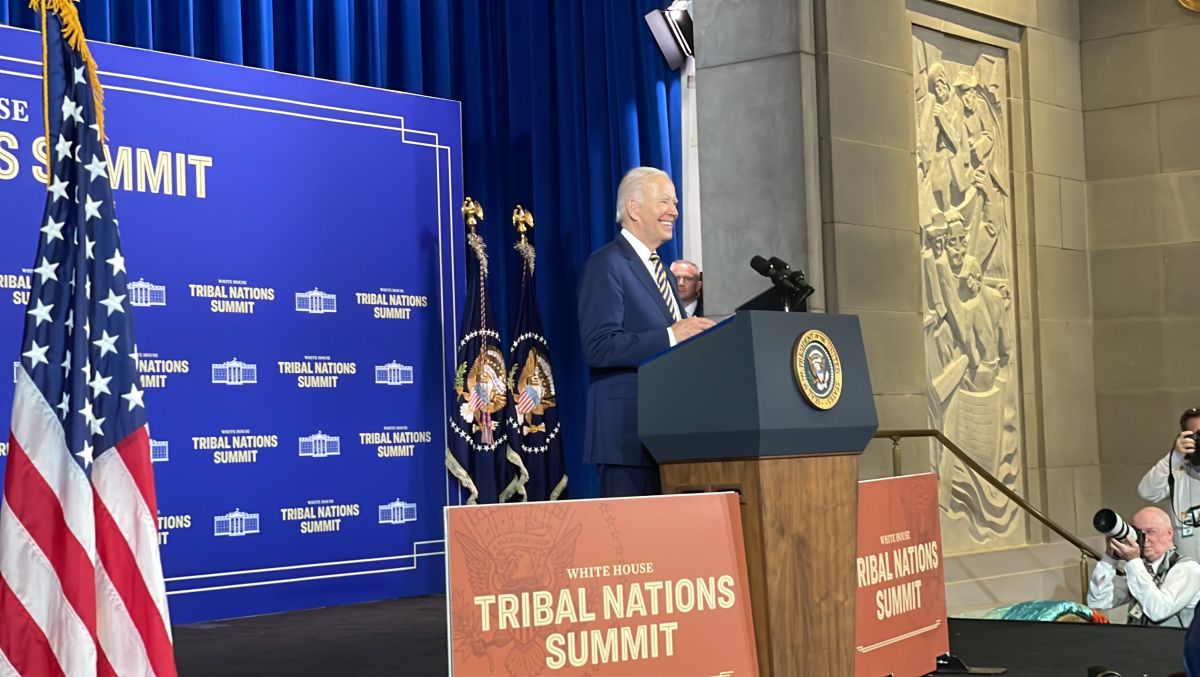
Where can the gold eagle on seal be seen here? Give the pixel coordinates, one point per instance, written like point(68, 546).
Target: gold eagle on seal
point(483, 392)
point(533, 392)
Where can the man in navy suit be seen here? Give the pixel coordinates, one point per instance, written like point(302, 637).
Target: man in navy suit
point(629, 309)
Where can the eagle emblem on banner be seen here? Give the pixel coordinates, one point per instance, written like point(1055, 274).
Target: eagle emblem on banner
point(481, 393)
point(533, 391)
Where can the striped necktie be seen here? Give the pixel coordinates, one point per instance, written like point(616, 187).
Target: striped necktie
point(660, 276)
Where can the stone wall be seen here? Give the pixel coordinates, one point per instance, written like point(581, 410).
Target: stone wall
point(1040, 437)
point(1141, 102)
point(1103, 140)
point(756, 110)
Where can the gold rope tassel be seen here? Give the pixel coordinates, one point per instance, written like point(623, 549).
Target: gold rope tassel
point(72, 32)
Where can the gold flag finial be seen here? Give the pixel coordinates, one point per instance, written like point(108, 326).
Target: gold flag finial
point(472, 213)
point(522, 219)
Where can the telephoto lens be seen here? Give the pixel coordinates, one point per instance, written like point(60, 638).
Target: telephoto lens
point(1109, 523)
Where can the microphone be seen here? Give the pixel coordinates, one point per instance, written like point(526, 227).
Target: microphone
point(795, 277)
point(767, 269)
point(761, 266)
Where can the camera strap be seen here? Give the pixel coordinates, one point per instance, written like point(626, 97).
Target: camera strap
point(1187, 519)
point(1136, 615)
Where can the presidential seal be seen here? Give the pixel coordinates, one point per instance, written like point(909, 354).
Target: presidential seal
point(481, 392)
point(818, 369)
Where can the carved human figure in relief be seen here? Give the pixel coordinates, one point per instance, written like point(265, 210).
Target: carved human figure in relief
point(944, 143)
point(978, 329)
point(962, 169)
point(936, 320)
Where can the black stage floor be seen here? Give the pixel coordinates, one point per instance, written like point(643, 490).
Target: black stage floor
point(408, 637)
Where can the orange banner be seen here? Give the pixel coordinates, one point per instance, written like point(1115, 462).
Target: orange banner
point(630, 586)
point(900, 619)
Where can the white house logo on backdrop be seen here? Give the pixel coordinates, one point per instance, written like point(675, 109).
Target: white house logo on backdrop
point(316, 302)
point(236, 523)
point(397, 512)
point(145, 294)
point(160, 451)
point(393, 374)
point(320, 445)
point(234, 373)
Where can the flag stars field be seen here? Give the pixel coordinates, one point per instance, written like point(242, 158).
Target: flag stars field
point(77, 523)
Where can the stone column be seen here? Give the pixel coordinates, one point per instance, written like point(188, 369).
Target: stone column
point(754, 85)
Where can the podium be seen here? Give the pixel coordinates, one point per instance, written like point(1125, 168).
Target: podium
point(726, 411)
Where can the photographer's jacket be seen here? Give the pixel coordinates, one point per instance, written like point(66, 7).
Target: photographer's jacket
point(1176, 480)
point(1164, 592)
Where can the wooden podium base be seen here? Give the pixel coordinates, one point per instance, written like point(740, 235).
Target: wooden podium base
point(799, 517)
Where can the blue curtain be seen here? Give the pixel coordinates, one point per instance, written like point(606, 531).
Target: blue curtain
point(560, 98)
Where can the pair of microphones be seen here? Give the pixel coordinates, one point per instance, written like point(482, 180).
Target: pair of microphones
point(782, 276)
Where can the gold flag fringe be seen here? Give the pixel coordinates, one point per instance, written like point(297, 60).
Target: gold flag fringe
point(517, 486)
point(72, 32)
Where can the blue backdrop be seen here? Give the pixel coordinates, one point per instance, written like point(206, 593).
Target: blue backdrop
point(295, 256)
point(560, 98)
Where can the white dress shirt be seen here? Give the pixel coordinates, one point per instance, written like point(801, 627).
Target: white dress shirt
point(643, 253)
point(1178, 595)
point(690, 308)
point(1186, 478)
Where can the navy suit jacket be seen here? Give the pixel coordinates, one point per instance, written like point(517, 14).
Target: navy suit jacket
point(623, 320)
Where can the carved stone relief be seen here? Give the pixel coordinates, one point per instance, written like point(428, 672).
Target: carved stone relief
point(963, 151)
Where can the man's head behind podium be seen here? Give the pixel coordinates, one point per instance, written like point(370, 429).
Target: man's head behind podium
point(647, 206)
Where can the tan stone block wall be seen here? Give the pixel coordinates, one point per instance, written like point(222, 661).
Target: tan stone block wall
point(871, 229)
point(869, 204)
point(1141, 101)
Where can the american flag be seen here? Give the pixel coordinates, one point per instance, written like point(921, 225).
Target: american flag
point(477, 398)
point(81, 585)
point(527, 400)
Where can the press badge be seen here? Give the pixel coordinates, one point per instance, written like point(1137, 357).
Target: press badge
point(1135, 611)
point(1186, 532)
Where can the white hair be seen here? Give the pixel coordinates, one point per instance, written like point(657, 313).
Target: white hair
point(631, 187)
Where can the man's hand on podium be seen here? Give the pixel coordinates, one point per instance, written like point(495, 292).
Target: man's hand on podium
point(685, 329)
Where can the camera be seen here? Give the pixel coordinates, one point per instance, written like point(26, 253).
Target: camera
point(1109, 523)
point(1194, 458)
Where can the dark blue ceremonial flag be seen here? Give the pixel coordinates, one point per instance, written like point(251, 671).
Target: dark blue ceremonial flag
point(477, 438)
point(535, 439)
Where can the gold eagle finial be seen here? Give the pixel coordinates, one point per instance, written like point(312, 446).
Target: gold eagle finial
point(472, 212)
point(522, 219)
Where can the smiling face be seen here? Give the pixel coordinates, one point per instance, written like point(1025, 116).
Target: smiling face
point(652, 211)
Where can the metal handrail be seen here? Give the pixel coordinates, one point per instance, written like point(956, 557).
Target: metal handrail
point(1085, 550)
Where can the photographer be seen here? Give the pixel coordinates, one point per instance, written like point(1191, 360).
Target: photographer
point(1160, 586)
point(1176, 478)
